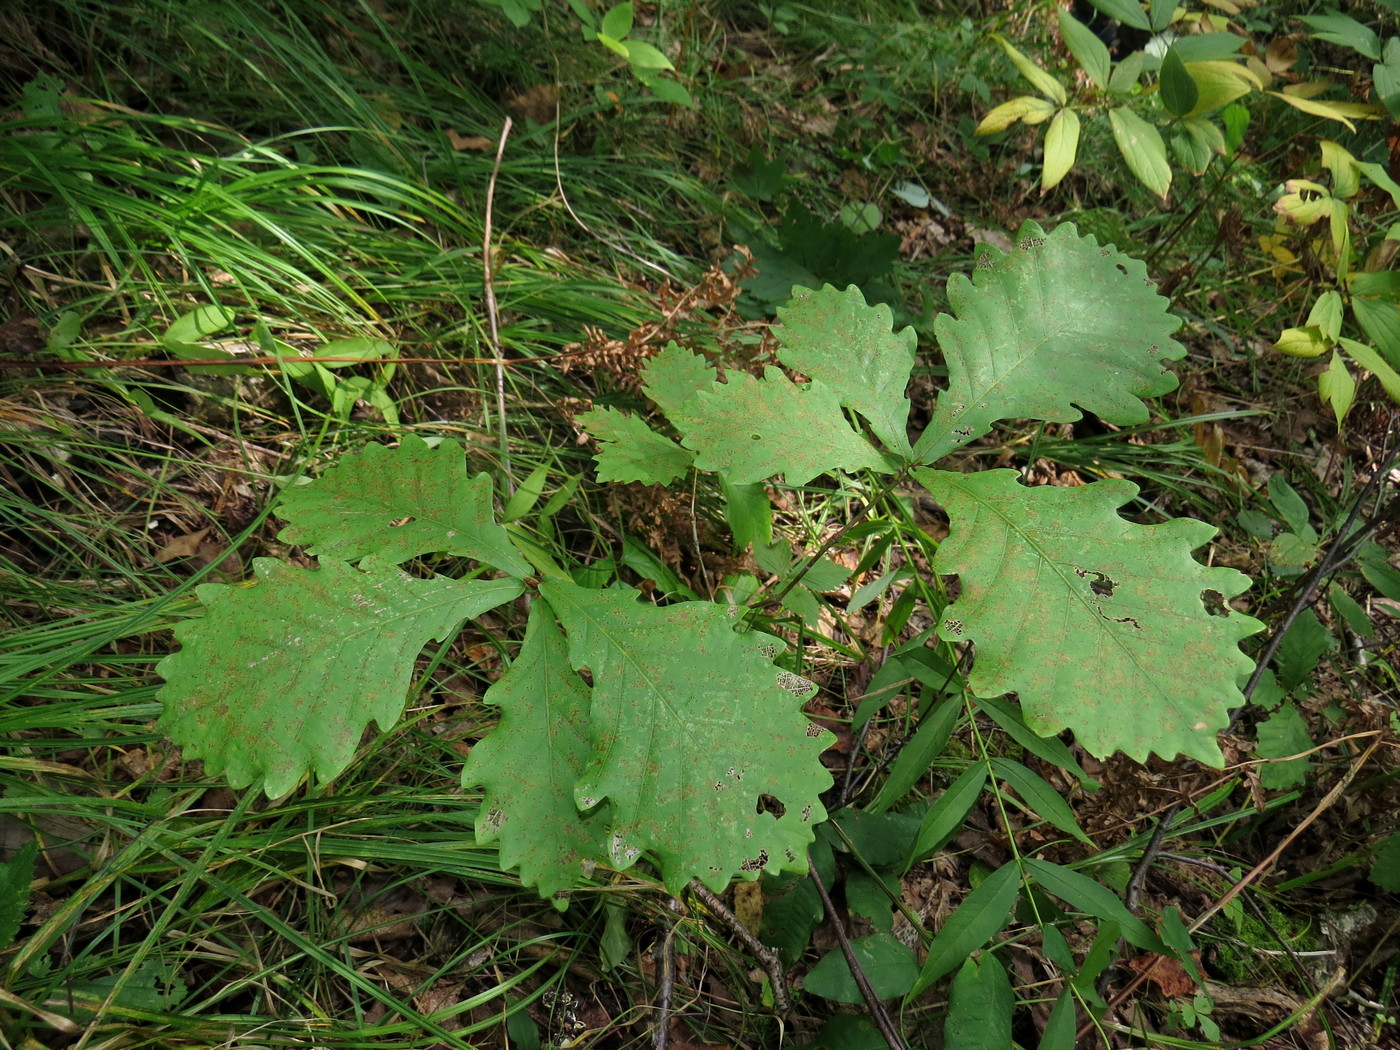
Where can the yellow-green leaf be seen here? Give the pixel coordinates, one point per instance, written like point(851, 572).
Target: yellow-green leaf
point(1345, 112)
point(1337, 387)
point(1326, 314)
point(1006, 114)
point(644, 56)
point(1061, 145)
point(1308, 341)
point(1219, 83)
point(1346, 179)
point(1368, 359)
point(1142, 147)
point(1040, 80)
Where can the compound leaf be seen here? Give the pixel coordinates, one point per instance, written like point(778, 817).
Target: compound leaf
point(693, 728)
point(629, 450)
point(530, 761)
point(1102, 626)
point(1058, 325)
point(836, 338)
point(358, 507)
point(281, 678)
point(753, 429)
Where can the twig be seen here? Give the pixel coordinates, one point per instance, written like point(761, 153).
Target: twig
point(666, 989)
point(1342, 550)
point(767, 957)
point(1253, 875)
point(488, 282)
point(883, 1021)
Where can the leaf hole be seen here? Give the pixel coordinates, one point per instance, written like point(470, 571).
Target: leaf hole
point(755, 863)
point(954, 627)
point(985, 261)
point(587, 802)
point(1215, 603)
point(1105, 252)
point(1100, 584)
point(494, 819)
point(399, 523)
point(814, 730)
point(1029, 243)
point(768, 650)
point(806, 814)
point(769, 804)
point(1153, 349)
point(795, 683)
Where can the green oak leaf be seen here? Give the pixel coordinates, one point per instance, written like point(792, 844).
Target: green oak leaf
point(692, 727)
point(836, 338)
point(674, 376)
point(753, 429)
point(629, 450)
point(530, 761)
point(1057, 325)
point(358, 507)
point(282, 676)
point(1102, 626)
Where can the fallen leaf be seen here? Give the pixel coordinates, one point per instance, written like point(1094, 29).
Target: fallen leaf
point(480, 143)
point(1166, 973)
point(187, 546)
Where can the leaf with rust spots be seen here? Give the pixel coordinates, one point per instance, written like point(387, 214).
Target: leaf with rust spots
point(1102, 626)
point(530, 761)
point(281, 678)
point(691, 732)
point(397, 504)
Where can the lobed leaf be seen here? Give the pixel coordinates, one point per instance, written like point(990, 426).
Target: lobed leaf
point(529, 763)
point(281, 678)
point(358, 507)
point(1102, 626)
point(692, 728)
point(835, 338)
point(629, 450)
point(674, 376)
point(1057, 325)
point(753, 429)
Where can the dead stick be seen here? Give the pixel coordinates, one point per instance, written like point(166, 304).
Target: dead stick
point(878, 1013)
point(666, 991)
point(1254, 873)
point(488, 282)
point(767, 957)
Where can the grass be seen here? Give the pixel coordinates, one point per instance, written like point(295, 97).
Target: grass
point(316, 168)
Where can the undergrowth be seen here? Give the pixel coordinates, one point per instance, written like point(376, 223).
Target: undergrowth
point(245, 294)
